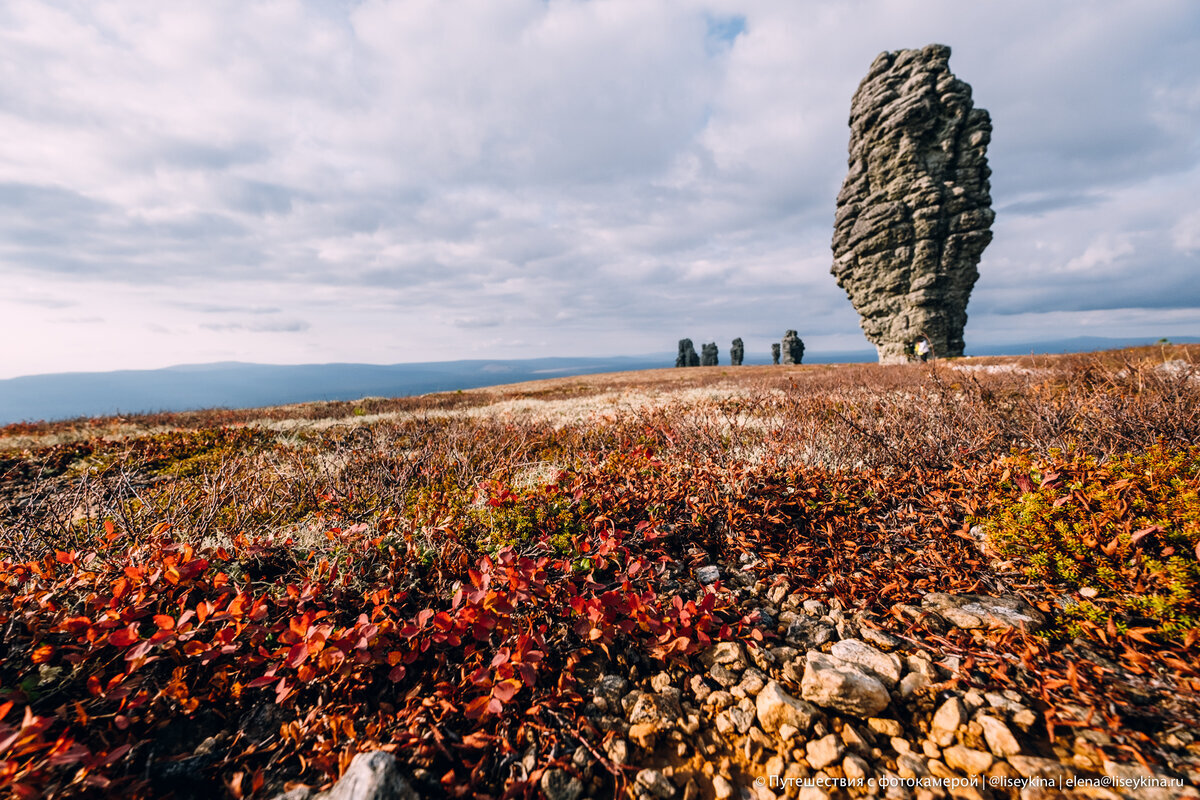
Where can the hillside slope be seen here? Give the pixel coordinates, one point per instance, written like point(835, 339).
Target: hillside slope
point(962, 577)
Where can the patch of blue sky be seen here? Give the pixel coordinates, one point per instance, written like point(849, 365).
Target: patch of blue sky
point(723, 30)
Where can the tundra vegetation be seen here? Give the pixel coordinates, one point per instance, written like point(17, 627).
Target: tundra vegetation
point(236, 602)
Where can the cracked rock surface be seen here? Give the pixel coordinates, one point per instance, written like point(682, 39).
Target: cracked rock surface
point(914, 213)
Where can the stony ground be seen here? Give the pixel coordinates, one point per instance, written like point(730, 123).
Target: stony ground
point(831, 707)
point(765, 583)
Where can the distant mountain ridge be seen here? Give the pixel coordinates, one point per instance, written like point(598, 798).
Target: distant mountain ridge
point(234, 384)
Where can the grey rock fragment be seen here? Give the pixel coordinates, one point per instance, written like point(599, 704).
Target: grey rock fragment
point(617, 750)
point(558, 784)
point(946, 720)
point(610, 689)
point(708, 355)
point(776, 708)
point(972, 762)
point(912, 683)
point(885, 666)
point(824, 751)
point(775, 353)
point(371, 776)
point(752, 683)
point(808, 633)
point(1000, 739)
point(660, 709)
point(981, 611)
point(656, 783)
point(914, 212)
point(842, 687)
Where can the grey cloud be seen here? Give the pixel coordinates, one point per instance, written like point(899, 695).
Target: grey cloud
point(259, 197)
point(280, 326)
point(203, 155)
point(1039, 206)
point(46, 202)
point(216, 308)
point(478, 322)
point(41, 301)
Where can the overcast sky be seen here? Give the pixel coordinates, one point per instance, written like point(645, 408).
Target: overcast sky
point(301, 182)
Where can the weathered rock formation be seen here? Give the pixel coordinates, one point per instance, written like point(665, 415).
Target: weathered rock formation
point(687, 354)
point(793, 348)
point(737, 351)
point(708, 355)
point(914, 213)
point(775, 352)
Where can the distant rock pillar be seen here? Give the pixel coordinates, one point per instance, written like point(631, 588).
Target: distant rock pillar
point(793, 348)
point(736, 352)
point(687, 354)
point(775, 352)
point(708, 355)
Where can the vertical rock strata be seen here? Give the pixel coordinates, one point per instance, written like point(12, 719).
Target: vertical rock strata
point(914, 213)
point(708, 355)
point(774, 352)
point(737, 352)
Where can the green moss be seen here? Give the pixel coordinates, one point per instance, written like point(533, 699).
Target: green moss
point(1126, 530)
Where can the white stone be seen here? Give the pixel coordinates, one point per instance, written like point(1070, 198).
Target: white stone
point(842, 687)
point(729, 654)
point(372, 776)
point(947, 720)
point(656, 783)
point(912, 683)
point(776, 708)
point(1000, 739)
point(824, 751)
point(972, 762)
point(885, 666)
point(856, 768)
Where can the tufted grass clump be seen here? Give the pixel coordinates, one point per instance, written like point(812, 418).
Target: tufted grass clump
point(1122, 535)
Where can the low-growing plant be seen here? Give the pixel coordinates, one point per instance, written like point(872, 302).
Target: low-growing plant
point(1123, 535)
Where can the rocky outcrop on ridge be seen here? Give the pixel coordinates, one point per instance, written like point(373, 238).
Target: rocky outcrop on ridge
point(793, 348)
point(914, 213)
point(737, 352)
point(775, 352)
point(708, 355)
point(687, 354)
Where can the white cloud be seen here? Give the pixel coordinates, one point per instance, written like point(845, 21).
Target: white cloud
point(391, 178)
